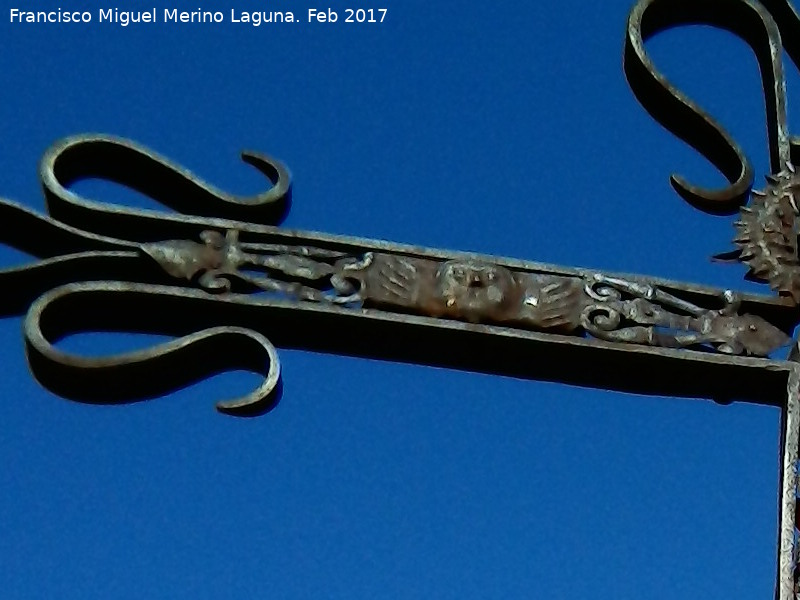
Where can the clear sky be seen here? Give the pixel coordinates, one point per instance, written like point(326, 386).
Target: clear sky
point(504, 128)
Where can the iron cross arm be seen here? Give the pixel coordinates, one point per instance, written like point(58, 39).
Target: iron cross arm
point(227, 282)
point(218, 274)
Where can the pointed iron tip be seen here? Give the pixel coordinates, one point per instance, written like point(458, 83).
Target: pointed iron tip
point(729, 256)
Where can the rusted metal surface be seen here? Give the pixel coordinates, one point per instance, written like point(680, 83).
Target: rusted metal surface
point(786, 587)
point(221, 276)
point(767, 226)
point(766, 231)
point(217, 282)
point(613, 309)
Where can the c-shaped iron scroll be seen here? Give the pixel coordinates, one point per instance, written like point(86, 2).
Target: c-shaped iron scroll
point(226, 283)
point(762, 26)
point(94, 272)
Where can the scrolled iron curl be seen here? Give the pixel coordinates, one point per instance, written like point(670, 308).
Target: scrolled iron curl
point(97, 242)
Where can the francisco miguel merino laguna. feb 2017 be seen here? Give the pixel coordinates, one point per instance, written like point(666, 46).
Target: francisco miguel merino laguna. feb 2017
point(173, 15)
point(168, 15)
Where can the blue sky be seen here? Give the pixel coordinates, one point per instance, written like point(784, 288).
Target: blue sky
point(504, 129)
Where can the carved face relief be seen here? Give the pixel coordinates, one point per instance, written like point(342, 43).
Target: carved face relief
point(475, 290)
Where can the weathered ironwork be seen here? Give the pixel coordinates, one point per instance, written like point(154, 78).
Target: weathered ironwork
point(206, 268)
point(473, 291)
point(766, 232)
point(226, 281)
point(229, 277)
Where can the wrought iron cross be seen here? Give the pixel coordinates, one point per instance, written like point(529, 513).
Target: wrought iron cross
point(228, 283)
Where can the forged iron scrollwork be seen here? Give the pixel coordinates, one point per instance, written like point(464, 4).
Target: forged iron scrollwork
point(224, 287)
point(608, 308)
point(219, 275)
point(639, 313)
point(92, 256)
point(767, 229)
point(298, 272)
